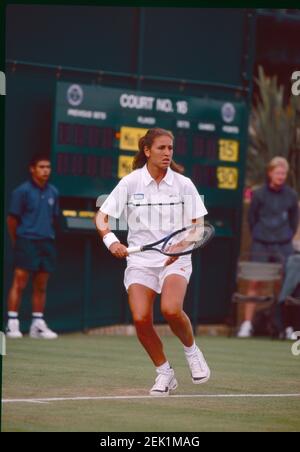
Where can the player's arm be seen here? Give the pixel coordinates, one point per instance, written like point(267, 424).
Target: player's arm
point(109, 238)
point(12, 224)
point(194, 235)
point(197, 233)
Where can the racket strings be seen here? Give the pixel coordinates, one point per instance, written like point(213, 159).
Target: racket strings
point(185, 241)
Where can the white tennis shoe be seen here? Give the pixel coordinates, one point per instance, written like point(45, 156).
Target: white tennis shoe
point(164, 383)
point(290, 334)
point(13, 329)
point(40, 330)
point(200, 371)
point(245, 329)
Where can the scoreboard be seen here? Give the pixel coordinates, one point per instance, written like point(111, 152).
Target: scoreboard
point(96, 132)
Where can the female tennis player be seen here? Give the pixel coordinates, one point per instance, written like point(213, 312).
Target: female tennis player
point(156, 200)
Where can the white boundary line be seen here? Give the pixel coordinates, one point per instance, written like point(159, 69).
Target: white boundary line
point(141, 397)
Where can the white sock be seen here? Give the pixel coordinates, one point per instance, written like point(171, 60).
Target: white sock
point(190, 350)
point(37, 315)
point(247, 323)
point(164, 368)
point(12, 314)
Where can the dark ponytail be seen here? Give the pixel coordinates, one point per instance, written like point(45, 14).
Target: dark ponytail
point(146, 141)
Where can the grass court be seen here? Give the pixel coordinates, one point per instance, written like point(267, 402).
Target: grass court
point(100, 383)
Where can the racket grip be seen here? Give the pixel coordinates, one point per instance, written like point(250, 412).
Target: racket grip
point(134, 249)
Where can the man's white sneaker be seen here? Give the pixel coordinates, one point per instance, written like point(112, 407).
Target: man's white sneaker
point(290, 334)
point(40, 330)
point(13, 329)
point(199, 369)
point(164, 383)
point(245, 329)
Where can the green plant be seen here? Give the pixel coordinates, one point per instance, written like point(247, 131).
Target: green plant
point(274, 129)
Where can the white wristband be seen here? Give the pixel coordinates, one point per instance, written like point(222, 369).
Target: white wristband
point(109, 239)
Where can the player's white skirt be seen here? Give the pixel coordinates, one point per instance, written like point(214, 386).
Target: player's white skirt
point(153, 277)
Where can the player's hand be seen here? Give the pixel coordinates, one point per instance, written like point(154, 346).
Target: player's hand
point(176, 248)
point(118, 250)
point(170, 260)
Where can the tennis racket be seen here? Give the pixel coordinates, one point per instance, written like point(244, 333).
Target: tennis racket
point(181, 242)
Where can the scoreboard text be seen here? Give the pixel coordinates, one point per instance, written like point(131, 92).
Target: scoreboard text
point(96, 133)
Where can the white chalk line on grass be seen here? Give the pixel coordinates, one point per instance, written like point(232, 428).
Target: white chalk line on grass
point(141, 397)
point(25, 401)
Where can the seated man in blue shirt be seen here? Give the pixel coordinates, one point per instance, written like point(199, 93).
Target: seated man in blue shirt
point(33, 212)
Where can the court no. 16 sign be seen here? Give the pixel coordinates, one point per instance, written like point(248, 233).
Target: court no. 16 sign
point(227, 177)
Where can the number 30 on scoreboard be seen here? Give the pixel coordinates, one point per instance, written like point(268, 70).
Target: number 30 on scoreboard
point(227, 177)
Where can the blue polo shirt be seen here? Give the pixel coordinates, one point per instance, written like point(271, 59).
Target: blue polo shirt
point(36, 208)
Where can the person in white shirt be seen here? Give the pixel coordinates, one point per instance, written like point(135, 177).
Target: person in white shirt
point(156, 199)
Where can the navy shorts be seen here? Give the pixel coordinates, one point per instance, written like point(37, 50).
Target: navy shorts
point(35, 255)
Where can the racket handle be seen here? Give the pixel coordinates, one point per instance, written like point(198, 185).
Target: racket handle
point(134, 249)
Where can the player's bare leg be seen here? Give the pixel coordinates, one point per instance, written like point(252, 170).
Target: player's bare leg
point(141, 299)
point(173, 293)
point(172, 298)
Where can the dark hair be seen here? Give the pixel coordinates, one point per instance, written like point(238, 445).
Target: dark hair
point(146, 141)
point(36, 158)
